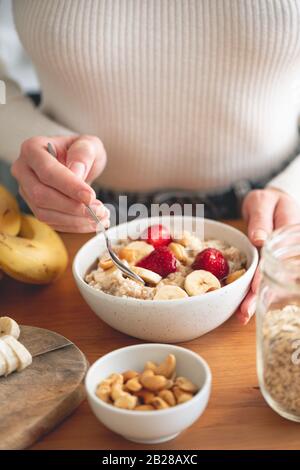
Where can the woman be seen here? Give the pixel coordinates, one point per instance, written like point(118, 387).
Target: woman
point(192, 95)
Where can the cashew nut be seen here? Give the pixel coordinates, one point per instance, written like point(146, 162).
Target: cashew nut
point(178, 251)
point(186, 385)
point(126, 401)
point(133, 385)
point(154, 383)
point(104, 383)
point(168, 397)
point(127, 254)
point(145, 395)
point(117, 391)
point(129, 374)
point(184, 397)
point(106, 262)
point(169, 384)
point(181, 396)
point(105, 388)
point(103, 392)
point(146, 373)
point(159, 403)
point(167, 367)
point(144, 408)
point(234, 276)
point(150, 366)
point(115, 378)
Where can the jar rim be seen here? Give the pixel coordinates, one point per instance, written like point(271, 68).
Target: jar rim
point(275, 256)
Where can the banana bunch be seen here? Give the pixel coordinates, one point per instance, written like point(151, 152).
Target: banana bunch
point(13, 355)
point(30, 251)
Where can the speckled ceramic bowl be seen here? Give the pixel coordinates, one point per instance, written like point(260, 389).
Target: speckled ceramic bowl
point(167, 321)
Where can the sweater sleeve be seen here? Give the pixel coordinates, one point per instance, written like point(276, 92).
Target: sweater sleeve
point(20, 119)
point(288, 180)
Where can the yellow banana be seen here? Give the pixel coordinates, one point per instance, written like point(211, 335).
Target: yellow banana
point(36, 256)
point(10, 217)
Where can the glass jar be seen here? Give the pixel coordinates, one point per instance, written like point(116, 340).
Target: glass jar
point(278, 323)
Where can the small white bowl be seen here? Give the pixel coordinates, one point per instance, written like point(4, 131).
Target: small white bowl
point(166, 321)
point(149, 427)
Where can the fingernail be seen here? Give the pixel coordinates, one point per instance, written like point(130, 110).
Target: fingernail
point(106, 212)
point(78, 168)
point(252, 308)
point(243, 318)
point(85, 197)
point(99, 209)
point(95, 205)
point(259, 235)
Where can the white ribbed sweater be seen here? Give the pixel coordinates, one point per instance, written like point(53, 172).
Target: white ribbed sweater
point(183, 93)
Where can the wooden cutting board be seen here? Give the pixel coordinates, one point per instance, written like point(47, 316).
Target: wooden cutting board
point(35, 400)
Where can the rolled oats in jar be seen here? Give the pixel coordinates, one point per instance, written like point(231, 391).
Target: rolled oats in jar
point(278, 323)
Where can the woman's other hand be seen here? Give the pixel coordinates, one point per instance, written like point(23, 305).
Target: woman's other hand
point(264, 211)
point(57, 189)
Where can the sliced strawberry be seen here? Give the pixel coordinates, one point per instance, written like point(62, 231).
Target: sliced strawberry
point(156, 235)
point(212, 260)
point(160, 261)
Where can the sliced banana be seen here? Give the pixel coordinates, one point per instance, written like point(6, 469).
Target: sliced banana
point(3, 365)
point(148, 276)
point(9, 356)
point(24, 358)
point(199, 282)
point(135, 251)
point(170, 293)
point(8, 326)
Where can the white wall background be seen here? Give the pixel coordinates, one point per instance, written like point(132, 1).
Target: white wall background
point(16, 60)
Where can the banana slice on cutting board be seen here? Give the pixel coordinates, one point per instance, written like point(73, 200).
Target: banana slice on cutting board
point(10, 358)
point(13, 355)
point(170, 293)
point(199, 282)
point(3, 365)
point(8, 326)
point(24, 358)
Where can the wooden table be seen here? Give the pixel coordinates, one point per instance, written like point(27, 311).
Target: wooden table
point(237, 416)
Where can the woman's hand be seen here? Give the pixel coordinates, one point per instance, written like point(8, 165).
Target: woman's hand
point(57, 189)
point(264, 211)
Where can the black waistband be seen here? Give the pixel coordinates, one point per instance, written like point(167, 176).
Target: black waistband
point(219, 205)
point(225, 205)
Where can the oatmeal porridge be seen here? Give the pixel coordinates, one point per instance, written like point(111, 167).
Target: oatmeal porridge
point(281, 349)
point(172, 268)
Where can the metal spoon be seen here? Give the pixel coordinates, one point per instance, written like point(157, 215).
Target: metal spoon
point(117, 262)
